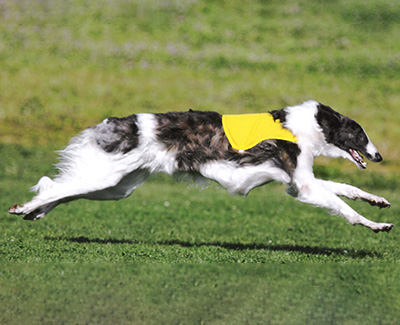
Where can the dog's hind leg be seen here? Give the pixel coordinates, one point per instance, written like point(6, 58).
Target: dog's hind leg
point(36, 214)
point(36, 208)
point(320, 196)
point(122, 189)
point(355, 193)
point(53, 193)
point(40, 205)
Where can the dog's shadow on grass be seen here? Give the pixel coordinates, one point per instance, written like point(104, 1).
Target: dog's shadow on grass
point(279, 248)
point(310, 250)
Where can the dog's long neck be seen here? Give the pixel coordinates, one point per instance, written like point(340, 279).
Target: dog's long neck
point(301, 121)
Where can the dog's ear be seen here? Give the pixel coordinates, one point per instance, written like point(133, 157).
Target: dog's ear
point(329, 120)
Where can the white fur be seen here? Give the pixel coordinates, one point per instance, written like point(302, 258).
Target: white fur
point(242, 180)
point(86, 171)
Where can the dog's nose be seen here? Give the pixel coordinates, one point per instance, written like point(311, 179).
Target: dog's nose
point(378, 157)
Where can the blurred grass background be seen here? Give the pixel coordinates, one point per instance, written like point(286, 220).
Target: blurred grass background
point(66, 65)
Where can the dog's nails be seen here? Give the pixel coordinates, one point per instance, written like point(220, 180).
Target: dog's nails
point(389, 227)
point(382, 204)
point(384, 227)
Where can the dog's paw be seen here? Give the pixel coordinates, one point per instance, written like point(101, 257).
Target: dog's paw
point(382, 227)
point(34, 215)
point(16, 209)
point(380, 202)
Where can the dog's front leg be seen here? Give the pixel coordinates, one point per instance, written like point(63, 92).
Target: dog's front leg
point(355, 193)
point(316, 194)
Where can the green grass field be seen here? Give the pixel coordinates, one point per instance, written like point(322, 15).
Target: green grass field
point(173, 252)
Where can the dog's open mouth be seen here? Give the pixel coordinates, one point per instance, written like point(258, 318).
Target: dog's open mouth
point(358, 158)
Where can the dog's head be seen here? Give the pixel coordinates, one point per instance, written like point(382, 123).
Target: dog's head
point(345, 137)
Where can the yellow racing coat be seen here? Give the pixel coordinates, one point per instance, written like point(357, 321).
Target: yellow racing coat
point(245, 131)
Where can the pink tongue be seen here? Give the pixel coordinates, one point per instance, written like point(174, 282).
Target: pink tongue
point(355, 154)
point(357, 157)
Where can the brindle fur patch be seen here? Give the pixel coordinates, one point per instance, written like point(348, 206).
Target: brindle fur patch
point(279, 115)
point(118, 134)
point(282, 153)
point(198, 137)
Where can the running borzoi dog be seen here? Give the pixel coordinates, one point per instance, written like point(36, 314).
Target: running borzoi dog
point(110, 160)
